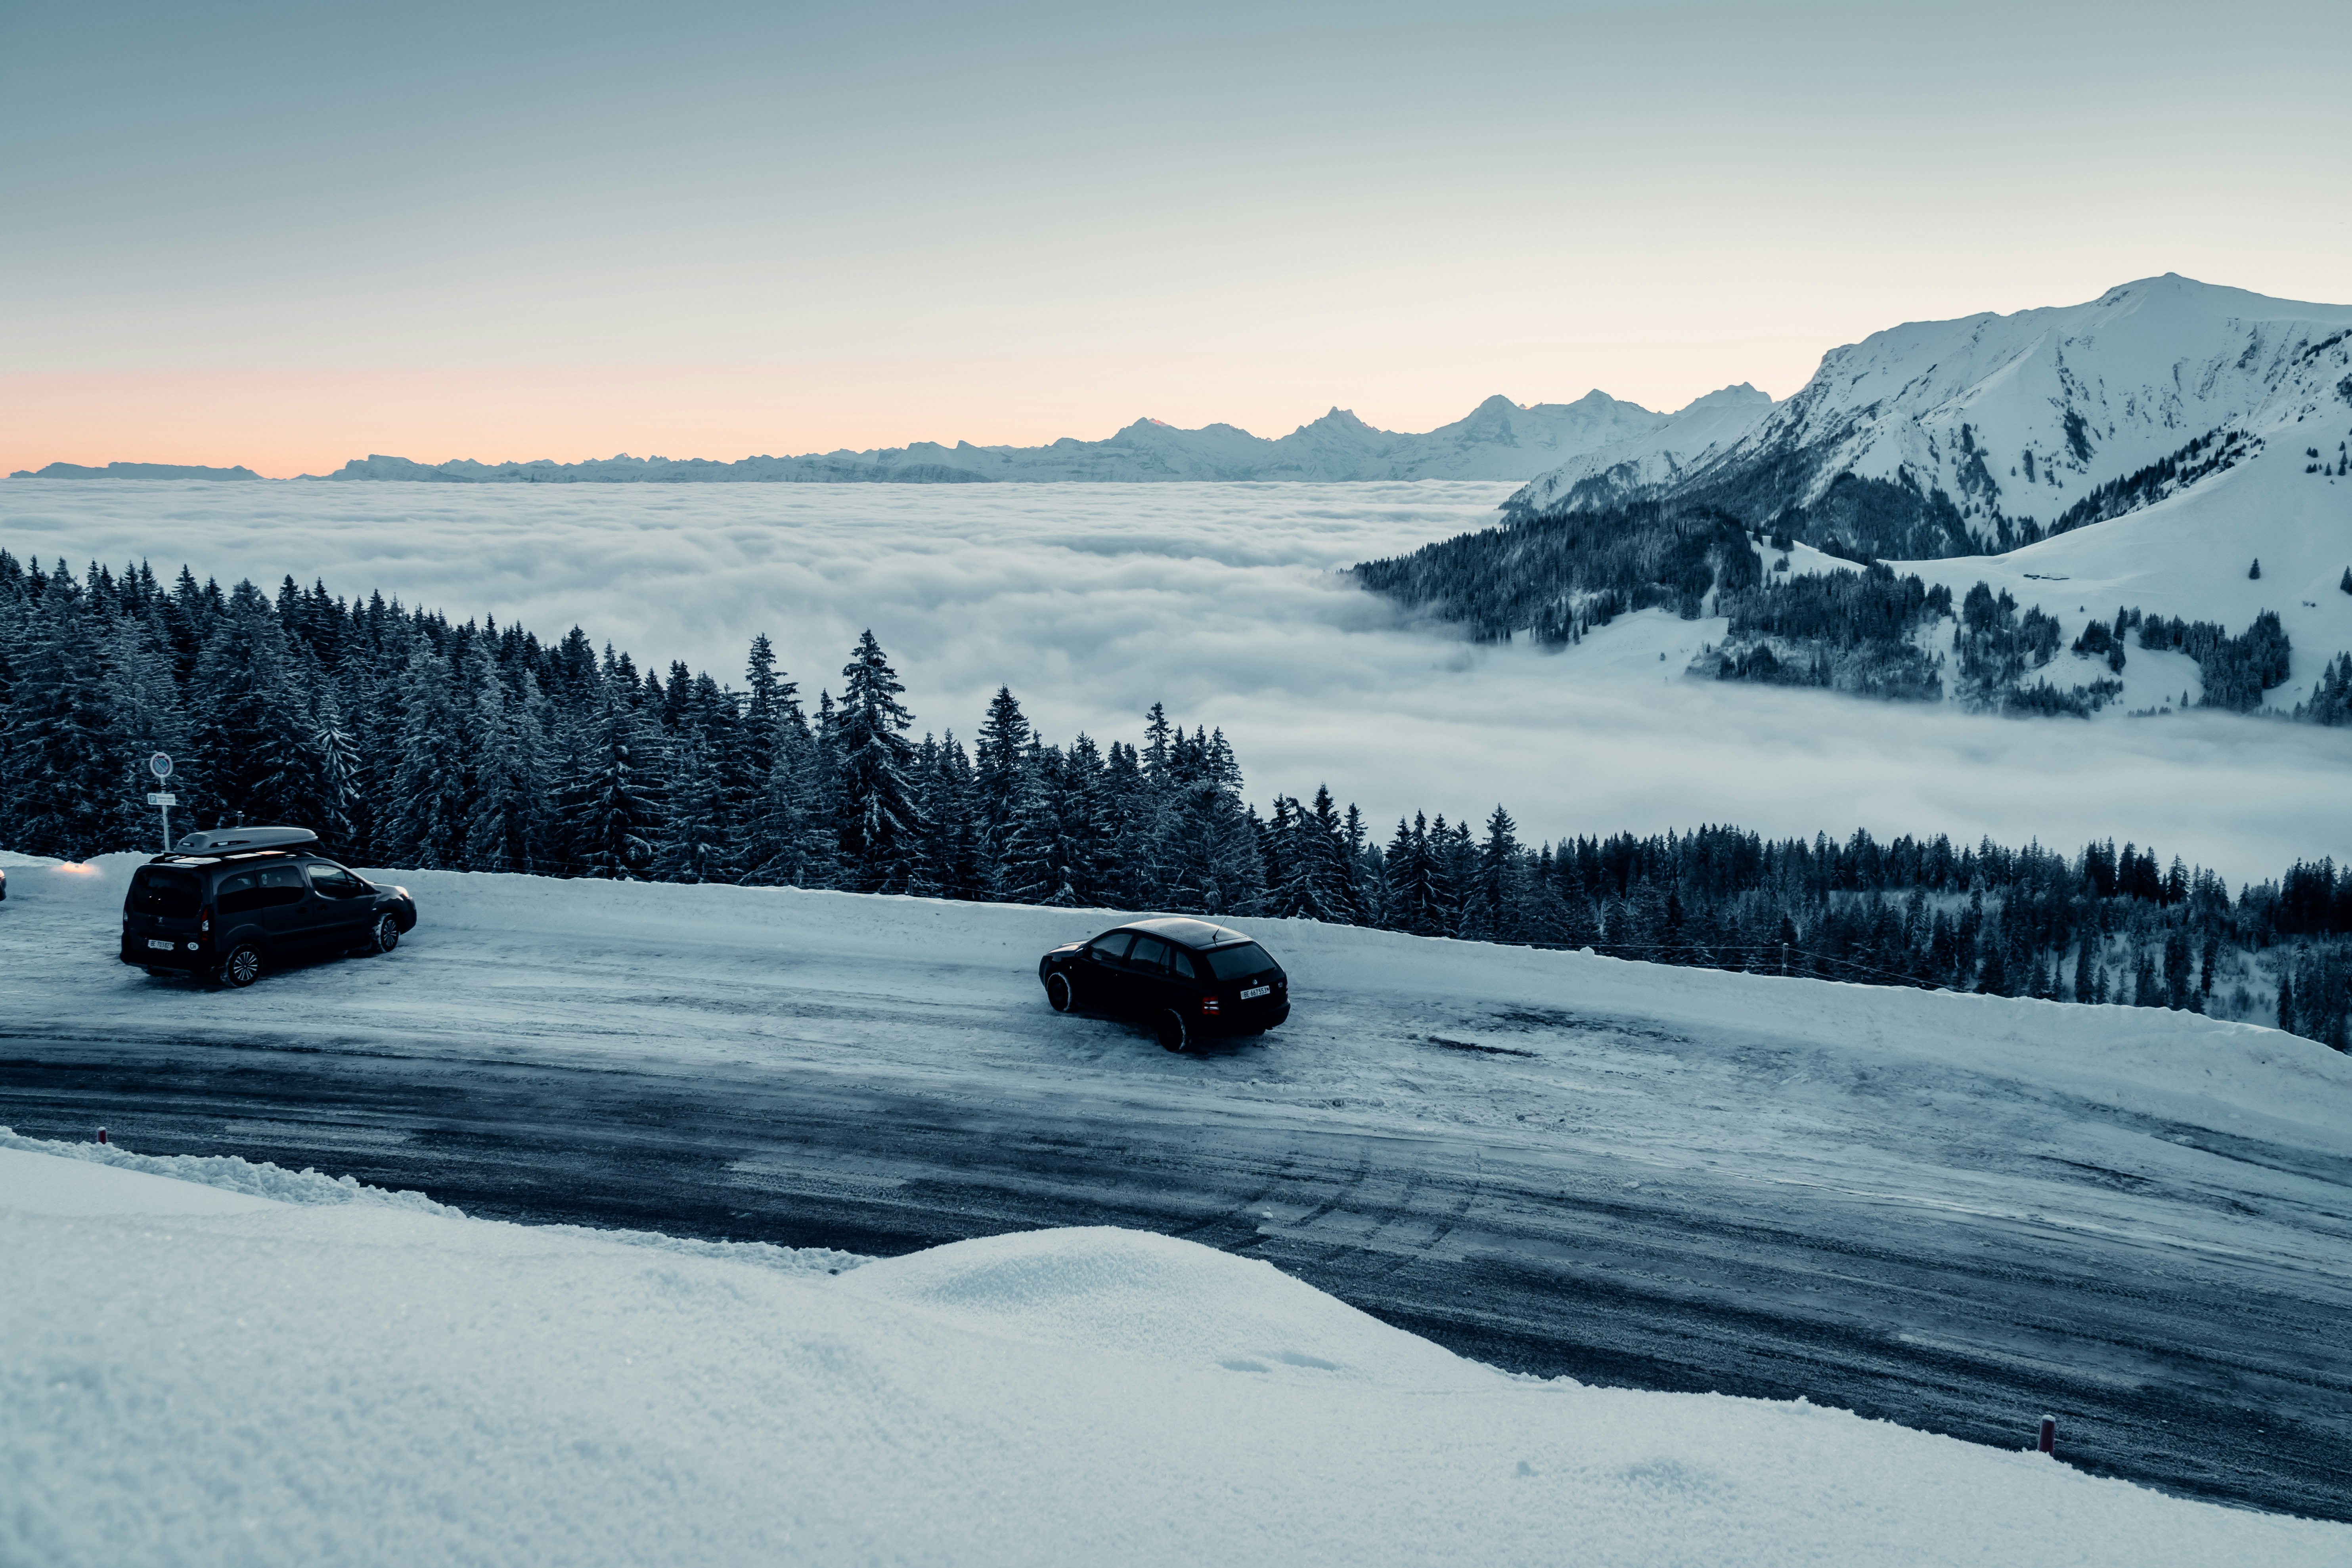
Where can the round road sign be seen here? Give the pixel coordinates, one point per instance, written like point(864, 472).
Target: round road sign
point(161, 765)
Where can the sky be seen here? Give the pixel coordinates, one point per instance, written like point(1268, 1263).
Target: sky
point(286, 234)
point(1226, 603)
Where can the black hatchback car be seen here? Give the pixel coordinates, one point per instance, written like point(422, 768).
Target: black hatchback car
point(1187, 978)
point(228, 903)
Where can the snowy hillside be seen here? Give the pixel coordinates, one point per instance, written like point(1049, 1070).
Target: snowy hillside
point(1941, 437)
point(1720, 1181)
point(1497, 440)
point(527, 1393)
point(2188, 555)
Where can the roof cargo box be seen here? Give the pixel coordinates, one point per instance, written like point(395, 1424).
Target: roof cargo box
point(227, 840)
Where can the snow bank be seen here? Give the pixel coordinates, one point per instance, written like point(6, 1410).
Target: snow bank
point(42, 1183)
point(361, 1383)
point(229, 1173)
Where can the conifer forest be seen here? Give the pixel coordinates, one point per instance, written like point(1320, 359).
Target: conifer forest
point(406, 740)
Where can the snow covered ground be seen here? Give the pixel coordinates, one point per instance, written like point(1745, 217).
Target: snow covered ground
point(2113, 1160)
point(189, 1374)
point(1095, 601)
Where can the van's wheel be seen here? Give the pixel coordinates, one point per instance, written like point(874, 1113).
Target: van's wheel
point(1175, 1035)
point(1059, 994)
point(242, 967)
point(385, 936)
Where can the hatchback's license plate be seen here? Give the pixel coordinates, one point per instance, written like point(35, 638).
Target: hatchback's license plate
point(165, 946)
point(1249, 991)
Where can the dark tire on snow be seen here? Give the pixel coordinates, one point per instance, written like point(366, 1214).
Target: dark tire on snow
point(241, 968)
point(1060, 994)
point(385, 936)
point(1175, 1035)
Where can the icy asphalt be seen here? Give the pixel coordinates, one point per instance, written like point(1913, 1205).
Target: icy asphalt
point(1958, 1213)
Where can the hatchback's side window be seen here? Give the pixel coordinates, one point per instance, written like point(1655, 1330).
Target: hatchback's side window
point(240, 894)
point(1181, 963)
point(1111, 949)
point(280, 885)
point(1150, 957)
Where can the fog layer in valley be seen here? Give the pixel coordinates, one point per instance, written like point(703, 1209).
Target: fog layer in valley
point(1226, 603)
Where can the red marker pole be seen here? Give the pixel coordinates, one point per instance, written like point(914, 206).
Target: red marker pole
point(2049, 1444)
point(101, 1134)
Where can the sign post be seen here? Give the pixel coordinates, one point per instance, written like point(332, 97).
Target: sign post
point(160, 766)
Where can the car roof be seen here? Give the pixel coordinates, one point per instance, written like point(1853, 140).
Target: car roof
point(1189, 933)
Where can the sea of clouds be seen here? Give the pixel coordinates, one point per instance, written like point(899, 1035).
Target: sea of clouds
point(1229, 604)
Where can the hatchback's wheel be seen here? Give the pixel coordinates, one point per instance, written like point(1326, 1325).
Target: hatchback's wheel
point(387, 935)
point(1059, 994)
point(1175, 1035)
point(242, 967)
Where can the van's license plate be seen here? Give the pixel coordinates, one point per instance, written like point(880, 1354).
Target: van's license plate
point(1250, 990)
point(165, 946)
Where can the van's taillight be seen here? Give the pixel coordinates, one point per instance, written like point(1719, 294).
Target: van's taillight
point(204, 918)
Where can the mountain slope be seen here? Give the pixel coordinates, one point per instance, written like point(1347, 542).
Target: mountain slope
point(1659, 458)
point(1497, 440)
point(1939, 438)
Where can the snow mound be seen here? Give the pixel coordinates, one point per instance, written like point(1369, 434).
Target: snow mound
point(1135, 1293)
point(36, 1184)
point(229, 1173)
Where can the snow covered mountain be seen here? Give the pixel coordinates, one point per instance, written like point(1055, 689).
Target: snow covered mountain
point(1497, 440)
point(1939, 438)
point(1679, 446)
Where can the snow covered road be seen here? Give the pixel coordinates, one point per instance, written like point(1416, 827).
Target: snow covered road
point(1952, 1211)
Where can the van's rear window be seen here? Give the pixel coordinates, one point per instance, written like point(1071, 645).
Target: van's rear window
point(161, 891)
point(1236, 963)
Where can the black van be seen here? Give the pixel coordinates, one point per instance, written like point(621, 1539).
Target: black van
point(1187, 978)
point(230, 902)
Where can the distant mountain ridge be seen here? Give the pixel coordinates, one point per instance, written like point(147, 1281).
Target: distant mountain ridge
point(134, 472)
point(1497, 440)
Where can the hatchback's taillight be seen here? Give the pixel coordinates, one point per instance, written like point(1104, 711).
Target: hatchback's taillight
point(1210, 1005)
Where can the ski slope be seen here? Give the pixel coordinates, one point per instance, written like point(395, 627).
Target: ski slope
point(190, 1374)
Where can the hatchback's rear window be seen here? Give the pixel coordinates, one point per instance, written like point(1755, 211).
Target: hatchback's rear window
point(1236, 963)
point(161, 891)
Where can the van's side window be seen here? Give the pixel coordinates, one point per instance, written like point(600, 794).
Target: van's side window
point(333, 881)
point(280, 885)
point(240, 894)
